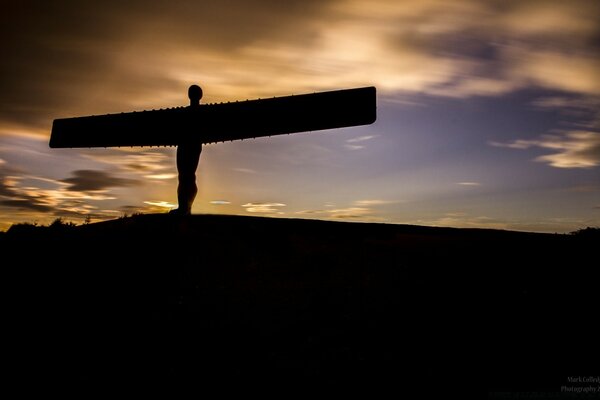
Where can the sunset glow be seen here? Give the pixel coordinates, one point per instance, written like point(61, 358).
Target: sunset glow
point(488, 112)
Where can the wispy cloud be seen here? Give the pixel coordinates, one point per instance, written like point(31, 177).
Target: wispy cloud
point(310, 212)
point(156, 162)
point(585, 188)
point(67, 197)
point(567, 70)
point(244, 170)
point(138, 58)
point(579, 111)
point(93, 180)
point(53, 201)
point(468, 183)
point(360, 139)
point(564, 102)
point(463, 220)
point(161, 177)
point(353, 146)
point(575, 149)
point(160, 204)
point(220, 202)
point(368, 203)
point(519, 144)
point(264, 208)
point(360, 210)
point(452, 48)
point(350, 212)
point(305, 153)
point(351, 143)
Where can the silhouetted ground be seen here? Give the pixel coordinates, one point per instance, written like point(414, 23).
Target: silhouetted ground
point(162, 302)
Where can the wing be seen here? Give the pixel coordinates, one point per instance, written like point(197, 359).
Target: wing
point(212, 123)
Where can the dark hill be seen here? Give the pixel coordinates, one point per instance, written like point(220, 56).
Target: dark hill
point(156, 301)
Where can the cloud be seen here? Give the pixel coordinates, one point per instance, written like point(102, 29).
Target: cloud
point(579, 111)
point(244, 170)
point(140, 55)
point(350, 213)
point(553, 69)
point(264, 208)
point(368, 203)
point(360, 139)
point(563, 102)
point(353, 147)
point(468, 183)
point(575, 18)
point(309, 212)
point(161, 177)
point(151, 162)
point(28, 197)
point(477, 86)
point(93, 180)
point(13, 195)
point(24, 192)
point(363, 213)
point(575, 149)
point(150, 206)
point(31, 204)
point(144, 55)
point(137, 209)
point(462, 220)
point(585, 188)
point(520, 144)
point(160, 204)
point(304, 153)
point(220, 202)
point(122, 51)
point(7, 179)
point(350, 142)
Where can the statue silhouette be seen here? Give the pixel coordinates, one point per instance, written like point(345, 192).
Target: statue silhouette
point(190, 127)
point(188, 157)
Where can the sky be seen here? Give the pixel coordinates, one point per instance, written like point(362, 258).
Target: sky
point(488, 111)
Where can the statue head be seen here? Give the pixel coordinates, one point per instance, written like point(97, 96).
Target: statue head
point(195, 94)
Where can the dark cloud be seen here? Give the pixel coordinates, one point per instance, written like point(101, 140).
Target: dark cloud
point(72, 199)
point(60, 57)
point(64, 58)
point(4, 189)
point(86, 180)
point(11, 197)
point(5, 173)
point(130, 208)
point(29, 203)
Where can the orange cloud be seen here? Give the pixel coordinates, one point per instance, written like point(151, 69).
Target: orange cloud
point(576, 149)
point(145, 55)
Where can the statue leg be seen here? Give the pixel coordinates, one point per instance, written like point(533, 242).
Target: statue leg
point(188, 156)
